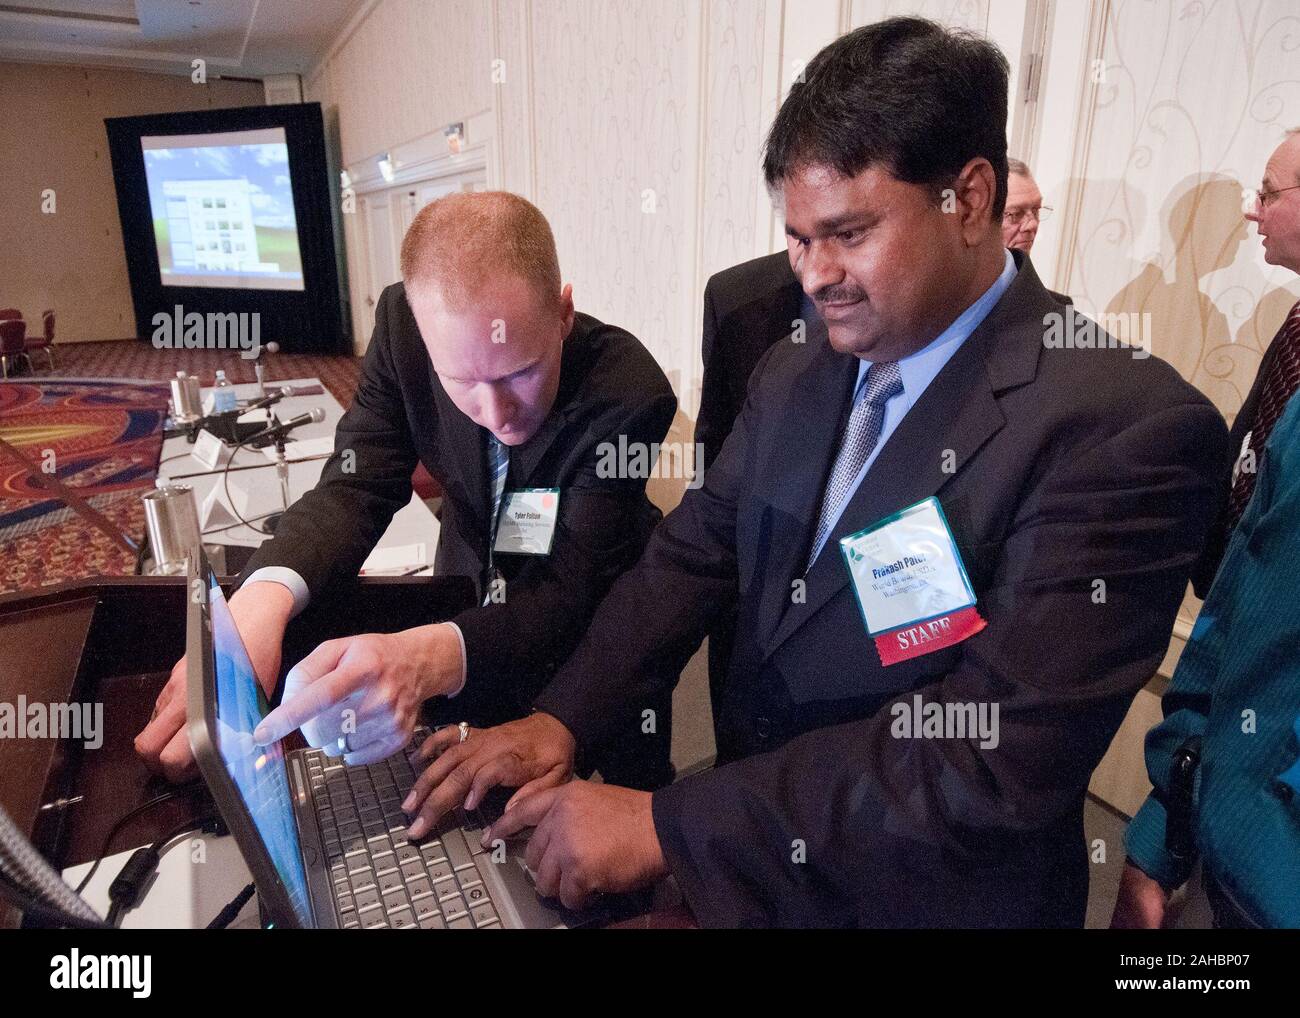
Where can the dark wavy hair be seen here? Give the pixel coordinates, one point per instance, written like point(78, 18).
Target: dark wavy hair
point(907, 94)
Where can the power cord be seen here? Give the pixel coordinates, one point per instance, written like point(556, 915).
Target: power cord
point(225, 485)
point(126, 819)
point(227, 915)
point(242, 522)
point(128, 886)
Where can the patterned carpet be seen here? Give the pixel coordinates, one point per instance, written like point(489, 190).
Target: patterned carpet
point(135, 359)
point(105, 440)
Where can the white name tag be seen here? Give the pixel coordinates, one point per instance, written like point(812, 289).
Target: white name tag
point(527, 522)
point(910, 583)
point(208, 449)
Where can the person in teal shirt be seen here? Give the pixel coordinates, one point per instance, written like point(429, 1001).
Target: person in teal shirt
point(1237, 689)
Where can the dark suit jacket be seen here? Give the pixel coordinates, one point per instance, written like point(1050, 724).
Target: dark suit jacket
point(747, 308)
point(610, 386)
point(1216, 543)
point(1070, 466)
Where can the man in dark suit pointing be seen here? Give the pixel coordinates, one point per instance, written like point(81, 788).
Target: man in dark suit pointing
point(481, 369)
point(912, 746)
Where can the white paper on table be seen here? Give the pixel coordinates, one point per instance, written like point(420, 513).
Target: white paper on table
point(181, 894)
point(398, 559)
point(208, 449)
point(216, 511)
point(303, 448)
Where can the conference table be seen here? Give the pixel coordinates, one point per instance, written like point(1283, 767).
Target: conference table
point(115, 639)
point(245, 485)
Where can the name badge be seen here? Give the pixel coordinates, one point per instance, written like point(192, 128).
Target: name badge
point(911, 584)
point(527, 522)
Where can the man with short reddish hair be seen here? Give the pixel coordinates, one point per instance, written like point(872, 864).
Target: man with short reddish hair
point(481, 369)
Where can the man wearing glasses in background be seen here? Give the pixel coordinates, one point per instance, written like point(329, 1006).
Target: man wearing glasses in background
point(1275, 211)
point(1024, 211)
point(1224, 762)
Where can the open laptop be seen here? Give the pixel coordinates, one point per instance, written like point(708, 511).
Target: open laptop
point(326, 843)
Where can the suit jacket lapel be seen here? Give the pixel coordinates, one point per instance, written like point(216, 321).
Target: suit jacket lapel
point(812, 420)
point(958, 411)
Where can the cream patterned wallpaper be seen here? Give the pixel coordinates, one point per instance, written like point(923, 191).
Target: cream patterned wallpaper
point(409, 67)
point(1192, 98)
point(735, 122)
point(616, 108)
point(971, 14)
point(636, 128)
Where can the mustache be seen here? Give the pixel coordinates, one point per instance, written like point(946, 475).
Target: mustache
point(839, 294)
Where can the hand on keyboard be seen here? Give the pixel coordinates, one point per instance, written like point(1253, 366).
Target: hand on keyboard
point(535, 752)
point(588, 839)
point(381, 878)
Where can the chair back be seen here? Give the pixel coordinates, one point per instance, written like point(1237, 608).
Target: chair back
point(13, 336)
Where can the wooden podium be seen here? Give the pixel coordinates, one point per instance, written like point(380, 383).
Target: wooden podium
point(114, 641)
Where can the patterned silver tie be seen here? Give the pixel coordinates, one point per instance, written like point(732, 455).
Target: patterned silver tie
point(860, 437)
point(498, 455)
point(498, 465)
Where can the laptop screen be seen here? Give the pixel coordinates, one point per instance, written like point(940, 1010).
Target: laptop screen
point(258, 772)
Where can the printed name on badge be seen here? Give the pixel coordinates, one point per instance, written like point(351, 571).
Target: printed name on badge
point(911, 584)
point(527, 522)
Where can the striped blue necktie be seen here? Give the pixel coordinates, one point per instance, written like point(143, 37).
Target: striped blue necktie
point(860, 436)
point(498, 466)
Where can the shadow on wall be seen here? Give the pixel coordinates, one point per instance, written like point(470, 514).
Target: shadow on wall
point(1203, 233)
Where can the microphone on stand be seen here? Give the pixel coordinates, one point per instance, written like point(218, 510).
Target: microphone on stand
point(269, 400)
point(276, 432)
point(272, 347)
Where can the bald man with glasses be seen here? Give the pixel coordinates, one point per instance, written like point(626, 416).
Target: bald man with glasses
point(1275, 211)
point(1024, 212)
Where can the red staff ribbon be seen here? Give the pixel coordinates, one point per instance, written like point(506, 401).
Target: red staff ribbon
point(924, 637)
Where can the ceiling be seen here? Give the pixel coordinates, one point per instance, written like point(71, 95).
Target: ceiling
point(236, 38)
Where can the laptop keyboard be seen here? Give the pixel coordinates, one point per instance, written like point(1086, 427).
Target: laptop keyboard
point(381, 879)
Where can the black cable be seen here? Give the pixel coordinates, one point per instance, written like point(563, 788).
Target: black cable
point(225, 484)
point(126, 819)
point(199, 824)
point(243, 523)
point(128, 886)
point(249, 466)
point(30, 906)
point(226, 916)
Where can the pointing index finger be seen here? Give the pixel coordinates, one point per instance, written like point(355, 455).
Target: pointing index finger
point(309, 702)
